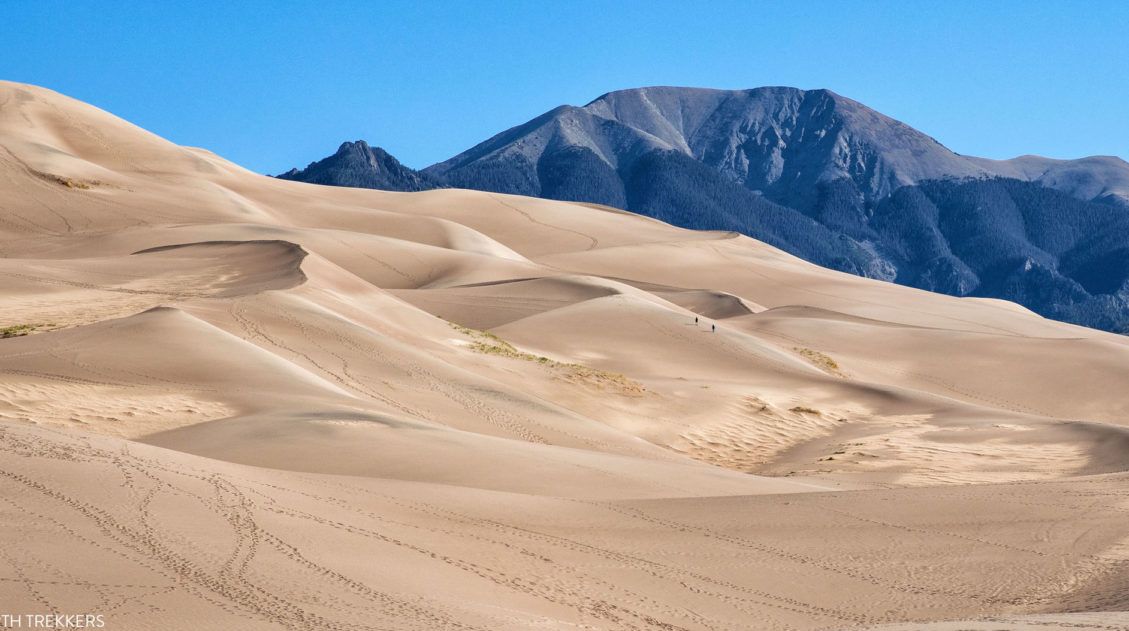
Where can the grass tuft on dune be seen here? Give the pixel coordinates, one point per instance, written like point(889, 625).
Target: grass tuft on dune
point(67, 181)
point(821, 361)
point(19, 330)
point(490, 344)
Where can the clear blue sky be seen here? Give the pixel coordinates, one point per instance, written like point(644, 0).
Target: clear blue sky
point(275, 85)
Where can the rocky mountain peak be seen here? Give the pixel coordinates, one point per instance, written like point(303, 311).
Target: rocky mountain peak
point(358, 164)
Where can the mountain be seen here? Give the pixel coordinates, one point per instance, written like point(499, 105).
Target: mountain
point(783, 142)
point(830, 180)
point(358, 165)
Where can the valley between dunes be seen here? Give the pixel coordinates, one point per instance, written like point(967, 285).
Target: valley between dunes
point(247, 403)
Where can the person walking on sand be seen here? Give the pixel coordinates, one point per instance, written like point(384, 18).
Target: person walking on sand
point(714, 328)
point(695, 319)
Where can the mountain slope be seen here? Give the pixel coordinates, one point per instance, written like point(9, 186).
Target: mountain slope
point(1010, 239)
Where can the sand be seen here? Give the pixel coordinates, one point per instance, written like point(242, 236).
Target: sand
point(249, 403)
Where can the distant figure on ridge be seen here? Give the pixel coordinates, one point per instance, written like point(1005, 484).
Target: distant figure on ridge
point(714, 328)
point(695, 319)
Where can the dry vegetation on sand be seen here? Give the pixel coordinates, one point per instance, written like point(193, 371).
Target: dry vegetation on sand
point(490, 344)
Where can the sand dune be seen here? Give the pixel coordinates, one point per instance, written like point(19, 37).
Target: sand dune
point(229, 401)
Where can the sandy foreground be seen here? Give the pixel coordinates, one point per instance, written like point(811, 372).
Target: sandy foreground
point(233, 402)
